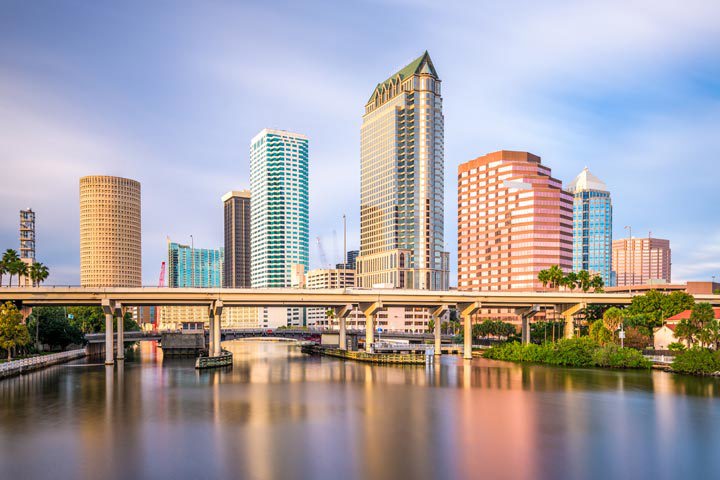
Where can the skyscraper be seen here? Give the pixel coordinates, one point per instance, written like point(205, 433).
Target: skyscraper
point(110, 232)
point(351, 256)
point(514, 219)
point(640, 261)
point(592, 225)
point(236, 207)
point(280, 227)
point(194, 267)
point(401, 182)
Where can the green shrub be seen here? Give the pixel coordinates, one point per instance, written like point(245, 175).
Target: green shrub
point(677, 347)
point(697, 361)
point(599, 333)
point(615, 357)
point(575, 352)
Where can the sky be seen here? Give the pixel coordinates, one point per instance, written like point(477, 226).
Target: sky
point(170, 93)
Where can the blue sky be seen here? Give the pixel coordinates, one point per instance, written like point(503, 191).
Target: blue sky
point(170, 94)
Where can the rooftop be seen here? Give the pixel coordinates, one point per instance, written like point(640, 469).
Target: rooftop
point(586, 181)
point(422, 64)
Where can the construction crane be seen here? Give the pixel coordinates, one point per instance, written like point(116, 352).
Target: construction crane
point(323, 258)
point(161, 282)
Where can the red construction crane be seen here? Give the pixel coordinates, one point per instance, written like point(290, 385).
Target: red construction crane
point(161, 283)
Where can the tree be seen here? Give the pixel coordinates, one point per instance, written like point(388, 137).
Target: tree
point(687, 331)
point(38, 273)
point(431, 325)
point(21, 269)
point(544, 277)
point(700, 316)
point(555, 276)
point(570, 280)
point(13, 332)
point(657, 307)
point(612, 318)
point(600, 334)
point(583, 280)
point(87, 319)
point(9, 261)
point(597, 283)
point(710, 334)
point(330, 314)
point(53, 327)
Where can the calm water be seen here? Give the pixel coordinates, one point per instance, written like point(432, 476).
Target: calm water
point(280, 414)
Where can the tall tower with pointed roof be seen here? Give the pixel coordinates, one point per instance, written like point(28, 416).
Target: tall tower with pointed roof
point(592, 226)
point(402, 182)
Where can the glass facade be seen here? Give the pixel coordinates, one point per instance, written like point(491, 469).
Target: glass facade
point(194, 267)
point(592, 226)
point(279, 211)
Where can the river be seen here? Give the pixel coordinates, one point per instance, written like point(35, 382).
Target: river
point(278, 413)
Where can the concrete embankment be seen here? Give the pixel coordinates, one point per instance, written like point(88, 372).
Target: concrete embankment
point(24, 365)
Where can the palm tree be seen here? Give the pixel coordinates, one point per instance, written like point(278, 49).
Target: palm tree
point(570, 280)
point(597, 283)
point(21, 270)
point(584, 280)
point(3, 271)
point(555, 275)
point(8, 260)
point(38, 273)
point(544, 277)
point(612, 318)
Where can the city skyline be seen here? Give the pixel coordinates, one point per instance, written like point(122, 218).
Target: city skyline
point(634, 108)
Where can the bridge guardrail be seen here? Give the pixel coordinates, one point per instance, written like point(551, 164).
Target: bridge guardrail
point(24, 363)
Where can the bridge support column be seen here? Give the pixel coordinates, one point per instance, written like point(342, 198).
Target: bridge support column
point(466, 311)
point(437, 314)
point(217, 335)
point(120, 332)
point(370, 311)
point(108, 310)
point(567, 311)
point(341, 313)
point(526, 314)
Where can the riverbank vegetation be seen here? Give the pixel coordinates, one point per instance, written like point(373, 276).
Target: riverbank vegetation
point(697, 361)
point(570, 352)
point(13, 332)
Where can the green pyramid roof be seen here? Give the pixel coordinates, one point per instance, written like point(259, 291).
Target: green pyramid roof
point(408, 70)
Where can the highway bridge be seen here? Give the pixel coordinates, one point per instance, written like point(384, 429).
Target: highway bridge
point(343, 301)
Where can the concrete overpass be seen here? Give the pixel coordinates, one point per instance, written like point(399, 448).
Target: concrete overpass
point(369, 301)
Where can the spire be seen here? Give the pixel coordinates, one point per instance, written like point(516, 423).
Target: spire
point(421, 65)
point(586, 181)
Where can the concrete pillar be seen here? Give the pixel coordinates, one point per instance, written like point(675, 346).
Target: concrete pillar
point(567, 311)
point(217, 349)
point(216, 334)
point(211, 333)
point(370, 311)
point(109, 344)
point(525, 330)
point(108, 309)
point(466, 311)
point(120, 332)
point(437, 314)
point(525, 315)
point(341, 313)
point(342, 341)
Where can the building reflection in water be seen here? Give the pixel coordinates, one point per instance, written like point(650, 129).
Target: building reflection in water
point(278, 413)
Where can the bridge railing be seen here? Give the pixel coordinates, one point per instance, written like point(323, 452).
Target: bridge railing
point(40, 359)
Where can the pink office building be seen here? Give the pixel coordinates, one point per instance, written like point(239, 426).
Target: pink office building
point(641, 261)
point(514, 219)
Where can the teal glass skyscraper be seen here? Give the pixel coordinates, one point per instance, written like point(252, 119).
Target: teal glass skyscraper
point(194, 267)
point(592, 226)
point(279, 211)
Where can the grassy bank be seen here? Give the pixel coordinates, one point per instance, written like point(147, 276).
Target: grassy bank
point(571, 352)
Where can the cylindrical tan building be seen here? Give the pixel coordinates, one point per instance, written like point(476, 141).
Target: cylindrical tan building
point(110, 229)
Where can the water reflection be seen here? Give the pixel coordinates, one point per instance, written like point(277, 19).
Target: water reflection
point(278, 413)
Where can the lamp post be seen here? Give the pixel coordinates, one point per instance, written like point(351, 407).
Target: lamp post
point(632, 270)
point(192, 261)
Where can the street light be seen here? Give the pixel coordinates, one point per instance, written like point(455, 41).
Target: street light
point(192, 261)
